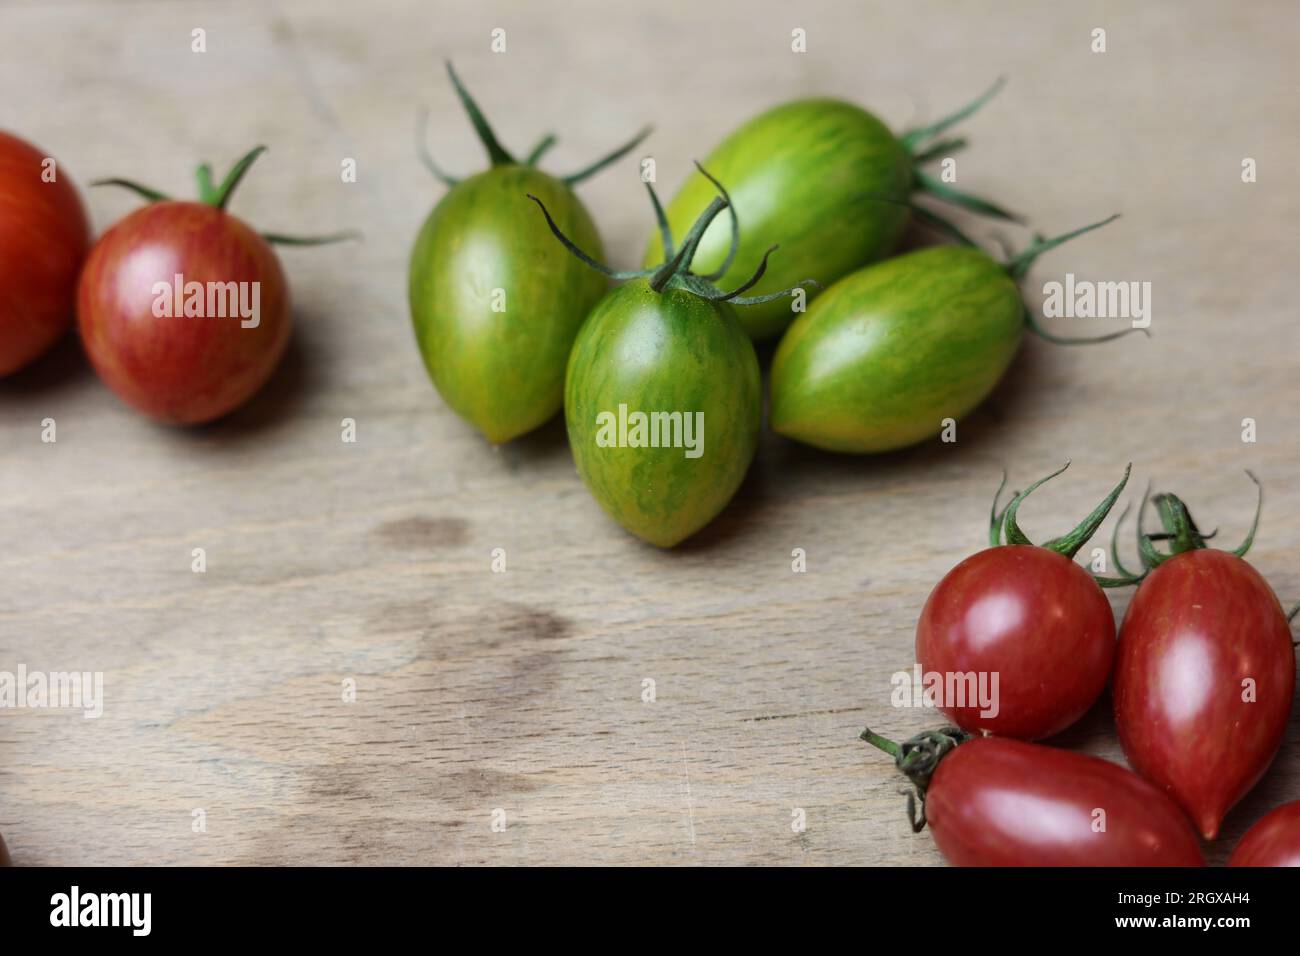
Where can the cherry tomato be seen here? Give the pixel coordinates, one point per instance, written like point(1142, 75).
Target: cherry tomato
point(181, 369)
point(44, 235)
point(1205, 669)
point(993, 801)
point(1019, 637)
point(1204, 678)
point(1273, 841)
point(495, 302)
point(183, 308)
point(667, 345)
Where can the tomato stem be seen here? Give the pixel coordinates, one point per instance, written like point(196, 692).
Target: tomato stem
point(540, 149)
point(573, 248)
point(219, 196)
point(226, 190)
point(151, 195)
point(941, 190)
point(665, 230)
point(426, 157)
point(912, 140)
point(719, 272)
point(917, 758)
point(676, 270)
point(1114, 542)
point(207, 192)
point(574, 178)
point(1180, 531)
point(879, 742)
point(496, 152)
point(1069, 544)
point(280, 239)
point(1004, 528)
point(945, 147)
point(681, 261)
point(943, 225)
point(995, 516)
point(1020, 264)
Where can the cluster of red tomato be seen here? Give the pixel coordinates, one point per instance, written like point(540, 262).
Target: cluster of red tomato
point(1202, 676)
point(187, 362)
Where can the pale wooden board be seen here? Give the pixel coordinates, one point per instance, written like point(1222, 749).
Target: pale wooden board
point(370, 561)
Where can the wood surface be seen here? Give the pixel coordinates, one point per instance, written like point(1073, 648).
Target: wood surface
point(523, 691)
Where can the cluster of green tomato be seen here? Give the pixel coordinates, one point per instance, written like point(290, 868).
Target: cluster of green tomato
point(515, 316)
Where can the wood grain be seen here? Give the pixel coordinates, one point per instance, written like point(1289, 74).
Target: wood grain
point(370, 562)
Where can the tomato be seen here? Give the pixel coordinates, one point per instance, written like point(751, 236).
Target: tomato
point(183, 308)
point(1019, 637)
point(992, 801)
point(4, 854)
point(1205, 672)
point(44, 235)
point(888, 353)
point(1273, 841)
point(662, 397)
point(670, 352)
point(495, 302)
point(824, 178)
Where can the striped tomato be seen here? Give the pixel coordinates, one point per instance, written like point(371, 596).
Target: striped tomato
point(44, 235)
point(824, 178)
point(495, 302)
point(1205, 670)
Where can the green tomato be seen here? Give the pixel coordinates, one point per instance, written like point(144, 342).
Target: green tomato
point(685, 364)
point(823, 179)
point(497, 302)
point(887, 353)
point(807, 175)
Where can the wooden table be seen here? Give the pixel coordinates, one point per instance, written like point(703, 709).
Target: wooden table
point(525, 692)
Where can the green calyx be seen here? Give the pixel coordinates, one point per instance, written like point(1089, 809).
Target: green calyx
point(917, 758)
point(675, 272)
point(1004, 529)
point(497, 154)
point(218, 197)
point(1018, 265)
point(922, 146)
point(1180, 531)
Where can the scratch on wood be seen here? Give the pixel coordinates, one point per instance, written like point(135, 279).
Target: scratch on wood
point(690, 803)
point(805, 713)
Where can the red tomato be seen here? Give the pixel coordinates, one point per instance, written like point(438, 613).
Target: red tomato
point(1273, 841)
point(43, 239)
point(1204, 678)
point(1032, 625)
point(993, 801)
point(997, 802)
point(178, 368)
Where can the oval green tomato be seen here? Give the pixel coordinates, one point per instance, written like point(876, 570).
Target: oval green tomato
point(496, 301)
point(809, 176)
point(887, 353)
point(663, 403)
